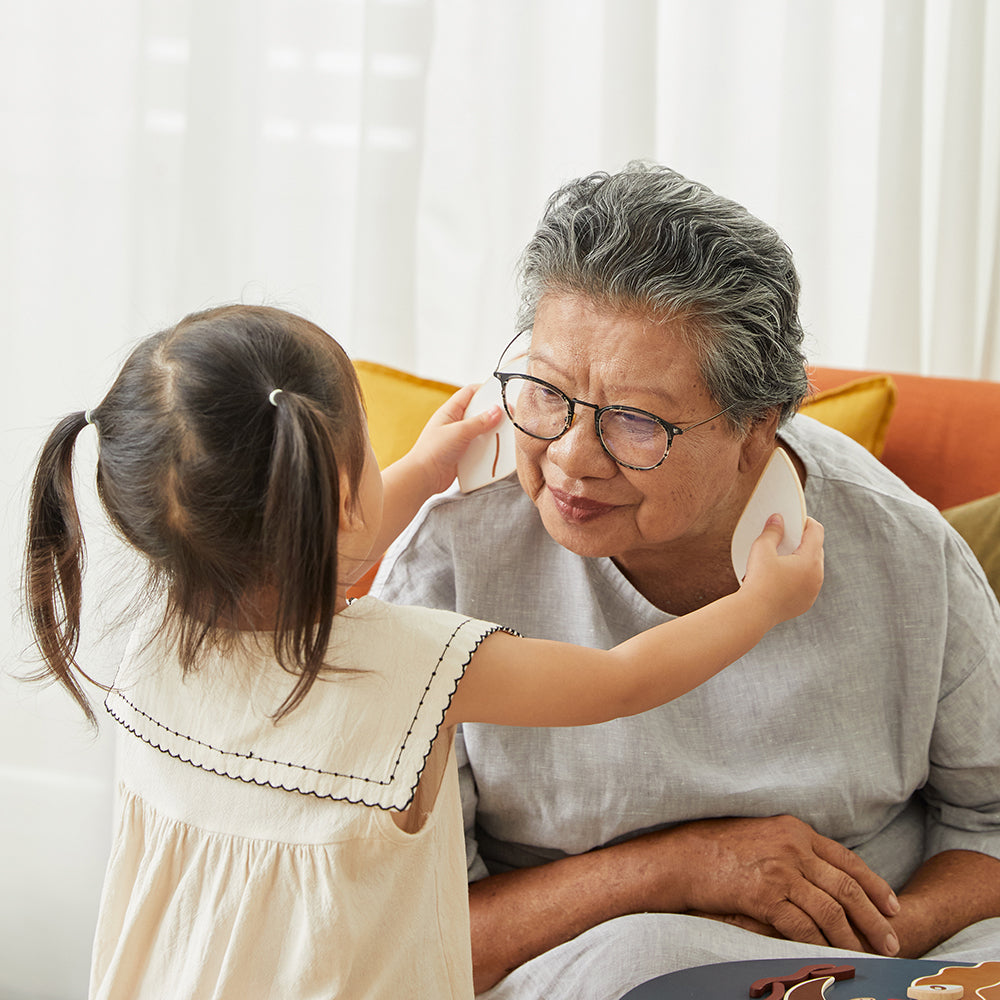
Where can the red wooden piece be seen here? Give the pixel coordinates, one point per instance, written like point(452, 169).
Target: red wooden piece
point(779, 985)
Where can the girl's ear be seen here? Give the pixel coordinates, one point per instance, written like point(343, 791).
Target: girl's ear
point(350, 515)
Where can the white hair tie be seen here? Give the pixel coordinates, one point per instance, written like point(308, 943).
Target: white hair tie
point(271, 395)
point(88, 415)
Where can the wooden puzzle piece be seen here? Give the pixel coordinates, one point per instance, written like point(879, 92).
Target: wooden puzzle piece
point(936, 991)
point(778, 985)
point(981, 981)
point(811, 989)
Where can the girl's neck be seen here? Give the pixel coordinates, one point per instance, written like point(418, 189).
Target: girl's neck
point(256, 613)
point(259, 612)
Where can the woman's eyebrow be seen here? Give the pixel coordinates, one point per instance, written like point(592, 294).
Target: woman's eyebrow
point(617, 392)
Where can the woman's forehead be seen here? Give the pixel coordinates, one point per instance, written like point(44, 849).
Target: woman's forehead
point(577, 338)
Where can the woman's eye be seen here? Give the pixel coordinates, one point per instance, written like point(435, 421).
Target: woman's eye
point(636, 424)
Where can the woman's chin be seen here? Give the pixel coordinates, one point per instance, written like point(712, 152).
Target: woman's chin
point(591, 536)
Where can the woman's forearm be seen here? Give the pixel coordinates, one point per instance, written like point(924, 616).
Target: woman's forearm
point(519, 915)
point(749, 867)
point(949, 892)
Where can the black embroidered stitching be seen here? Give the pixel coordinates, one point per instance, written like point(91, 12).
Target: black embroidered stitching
point(304, 767)
point(416, 714)
point(233, 753)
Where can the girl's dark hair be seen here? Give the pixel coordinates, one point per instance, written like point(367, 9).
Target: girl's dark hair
point(227, 496)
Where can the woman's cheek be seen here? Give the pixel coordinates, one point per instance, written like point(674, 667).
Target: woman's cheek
point(529, 471)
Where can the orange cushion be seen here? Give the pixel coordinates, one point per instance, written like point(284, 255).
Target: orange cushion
point(944, 437)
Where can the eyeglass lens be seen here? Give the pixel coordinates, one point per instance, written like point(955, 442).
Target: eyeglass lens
point(631, 438)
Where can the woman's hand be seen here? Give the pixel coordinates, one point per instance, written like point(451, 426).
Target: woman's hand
point(788, 584)
point(447, 436)
point(776, 875)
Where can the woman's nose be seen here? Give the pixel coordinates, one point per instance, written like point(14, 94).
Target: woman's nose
point(579, 452)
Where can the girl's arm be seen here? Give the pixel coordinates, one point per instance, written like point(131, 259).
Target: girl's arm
point(534, 682)
point(429, 467)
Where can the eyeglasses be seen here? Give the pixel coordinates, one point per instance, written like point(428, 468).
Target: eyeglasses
point(634, 438)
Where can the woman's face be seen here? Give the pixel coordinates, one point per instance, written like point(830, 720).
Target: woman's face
point(590, 504)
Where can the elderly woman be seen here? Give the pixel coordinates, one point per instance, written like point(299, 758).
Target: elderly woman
point(854, 750)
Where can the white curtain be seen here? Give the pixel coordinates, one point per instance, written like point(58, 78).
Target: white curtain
point(867, 133)
point(377, 165)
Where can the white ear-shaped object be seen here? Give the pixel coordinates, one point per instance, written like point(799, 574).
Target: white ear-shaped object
point(491, 455)
point(778, 491)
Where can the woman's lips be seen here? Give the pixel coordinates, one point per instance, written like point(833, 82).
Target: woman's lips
point(578, 509)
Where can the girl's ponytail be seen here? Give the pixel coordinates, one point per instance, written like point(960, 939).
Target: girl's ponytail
point(54, 561)
point(229, 488)
point(301, 521)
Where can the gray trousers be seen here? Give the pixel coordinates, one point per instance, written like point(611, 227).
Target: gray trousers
point(610, 959)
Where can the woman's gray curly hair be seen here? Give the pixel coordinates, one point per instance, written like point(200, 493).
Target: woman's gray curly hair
point(648, 238)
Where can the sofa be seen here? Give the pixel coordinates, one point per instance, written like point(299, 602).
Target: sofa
point(939, 435)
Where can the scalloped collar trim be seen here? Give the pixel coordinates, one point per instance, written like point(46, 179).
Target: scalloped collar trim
point(151, 702)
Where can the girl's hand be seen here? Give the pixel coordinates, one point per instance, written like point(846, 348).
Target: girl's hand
point(429, 467)
point(789, 584)
point(446, 437)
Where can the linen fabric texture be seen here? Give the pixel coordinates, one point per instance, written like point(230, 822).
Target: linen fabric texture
point(873, 717)
point(319, 856)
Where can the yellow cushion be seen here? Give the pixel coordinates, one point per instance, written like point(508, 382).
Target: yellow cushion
point(860, 409)
point(978, 522)
point(399, 404)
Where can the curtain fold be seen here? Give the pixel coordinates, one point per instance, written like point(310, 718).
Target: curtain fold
point(896, 320)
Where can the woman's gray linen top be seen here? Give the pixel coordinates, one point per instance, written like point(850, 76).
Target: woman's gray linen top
point(875, 713)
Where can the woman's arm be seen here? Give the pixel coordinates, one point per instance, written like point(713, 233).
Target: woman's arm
point(520, 914)
point(774, 871)
point(947, 893)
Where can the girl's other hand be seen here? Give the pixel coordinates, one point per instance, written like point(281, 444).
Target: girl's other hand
point(447, 435)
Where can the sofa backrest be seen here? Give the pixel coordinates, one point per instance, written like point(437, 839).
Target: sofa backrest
point(943, 438)
point(940, 435)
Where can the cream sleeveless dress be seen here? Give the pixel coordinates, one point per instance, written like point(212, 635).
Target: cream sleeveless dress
point(320, 857)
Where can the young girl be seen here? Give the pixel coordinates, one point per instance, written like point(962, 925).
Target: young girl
point(290, 823)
